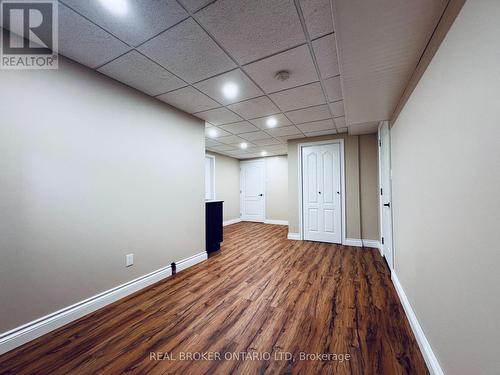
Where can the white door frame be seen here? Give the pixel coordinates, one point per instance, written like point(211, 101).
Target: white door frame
point(380, 201)
point(263, 161)
point(300, 146)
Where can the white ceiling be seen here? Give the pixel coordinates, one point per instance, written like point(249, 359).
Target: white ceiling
point(184, 51)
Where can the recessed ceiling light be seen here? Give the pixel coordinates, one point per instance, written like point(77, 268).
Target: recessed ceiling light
point(243, 145)
point(271, 122)
point(213, 133)
point(263, 153)
point(118, 7)
point(230, 90)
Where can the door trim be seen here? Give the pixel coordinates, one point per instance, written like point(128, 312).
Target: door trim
point(300, 146)
point(380, 202)
point(263, 161)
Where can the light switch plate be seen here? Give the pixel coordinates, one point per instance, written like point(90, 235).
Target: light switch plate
point(129, 258)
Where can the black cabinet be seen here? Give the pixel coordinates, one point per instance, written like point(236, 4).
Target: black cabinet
point(213, 225)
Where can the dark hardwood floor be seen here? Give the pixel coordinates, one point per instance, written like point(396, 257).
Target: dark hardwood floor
point(261, 295)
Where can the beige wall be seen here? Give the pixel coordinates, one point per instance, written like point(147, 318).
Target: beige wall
point(227, 184)
point(277, 188)
point(446, 184)
point(368, 186)
point(353, 148)
point(90, 170)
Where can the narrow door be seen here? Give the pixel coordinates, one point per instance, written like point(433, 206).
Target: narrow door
point(252, 183)
point(321, 194)
point(385, 194)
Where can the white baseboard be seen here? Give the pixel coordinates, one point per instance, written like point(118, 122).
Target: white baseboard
point(276, 222)
point(425, 347)
point(30, 331)
point(353, 242)
point(18, 336)
point(232, 221)
point(191, 261)
point(294, 236)
point(362, 243)
point(371, 243)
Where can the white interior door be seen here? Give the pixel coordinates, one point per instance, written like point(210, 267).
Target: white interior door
point(321, 194)
point(385, 193)
point(252, 183)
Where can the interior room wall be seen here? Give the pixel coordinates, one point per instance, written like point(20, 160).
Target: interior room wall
point(91, 171)
point(277, 188)
point(227, 184)
point(369, 186)
point(446, 184)
point(354, 150)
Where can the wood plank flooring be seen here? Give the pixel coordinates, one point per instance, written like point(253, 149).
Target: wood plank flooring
point(263, 298)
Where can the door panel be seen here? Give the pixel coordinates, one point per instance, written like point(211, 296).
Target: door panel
point(329, 220)
point(252, 185)
point(313, 220)
point(321, 193)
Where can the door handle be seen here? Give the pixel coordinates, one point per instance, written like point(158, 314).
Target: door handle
point(387, 204)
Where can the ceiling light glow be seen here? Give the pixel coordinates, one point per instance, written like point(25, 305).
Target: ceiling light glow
point(271, 122)
point(212, 133)
point(118, 7)
point(230, 90)
point(263, 153)
point(243, 145)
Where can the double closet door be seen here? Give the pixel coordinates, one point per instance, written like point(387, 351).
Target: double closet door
point(322, 210)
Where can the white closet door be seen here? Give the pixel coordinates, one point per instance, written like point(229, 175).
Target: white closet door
point(322, 216)
point(252, 183)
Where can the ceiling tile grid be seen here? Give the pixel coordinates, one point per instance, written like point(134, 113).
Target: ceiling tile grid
point(186, 52)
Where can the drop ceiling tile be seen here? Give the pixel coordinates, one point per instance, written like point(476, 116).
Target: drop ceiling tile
point(225, 148)
point(333, 89)
point(337, 108)
point(215, 132)
point(253, 108)
point(287, 137)
point(194, 5)
point(231, 139)
point(250, 30)
point(138, 71)
point(219, 116)
point(267, 142)
point(208, 125)
point(319, 133)
point(240, 127)
point(316, 126)
point(300, 116)
point(297, 61)
point(318, 17)
point(255, 136)
point(299, 97)
point(141, 19)
point(211, 143)
point(262, 122)
point(187, 51)
point(285, 130)
point(339, 122)
point(249, 156)
point(276, 148)
point(189, 100)
point(78, 37)
point(342, 130)
point(326, 56)
point(213, 87)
